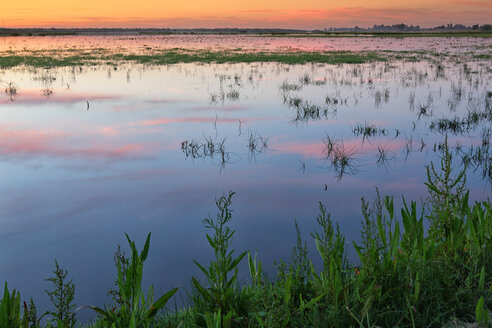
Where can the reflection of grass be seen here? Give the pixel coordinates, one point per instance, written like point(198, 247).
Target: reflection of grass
point(233, 95)
point(384, 156)
point(368, 130)
point(256, 144)
point(47, 92)
point(341, 157)
point(307, 111)
point(11, 91)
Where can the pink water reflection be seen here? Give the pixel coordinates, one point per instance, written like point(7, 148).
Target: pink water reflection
point(132, 43)
point(316, 149)
point(39, 143)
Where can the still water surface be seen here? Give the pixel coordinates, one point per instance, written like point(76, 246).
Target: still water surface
point(87, 154)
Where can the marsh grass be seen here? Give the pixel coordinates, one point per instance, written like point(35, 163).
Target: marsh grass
point(456, 125)
point(11, 91)
point(286, 87)
point(47, 92)
point(340, 157)
point(233, 95)
point(384, 156)
point(209, 148)
point(306, 111)
point(423, 110)
point(302, 167)
point(367, 130)
point(175, 56)
point(336, 100)
point(257, 144)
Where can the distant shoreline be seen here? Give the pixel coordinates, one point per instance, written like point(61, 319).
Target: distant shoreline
point(355, 32)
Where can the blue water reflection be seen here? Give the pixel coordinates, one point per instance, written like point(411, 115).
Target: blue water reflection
point(75, 177)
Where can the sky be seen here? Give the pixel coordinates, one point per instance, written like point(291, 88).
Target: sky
point(306, 14)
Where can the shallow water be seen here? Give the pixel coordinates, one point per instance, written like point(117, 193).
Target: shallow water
point(131, 43)
point(90, 153)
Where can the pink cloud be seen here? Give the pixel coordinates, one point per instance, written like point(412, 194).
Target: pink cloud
point(108, 131)
point(315, 149)
point(164, 121)
point(170, 120)
point(125, 108)
point(226, 108)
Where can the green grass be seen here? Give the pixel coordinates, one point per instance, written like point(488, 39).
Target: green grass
point(80, 57)
point(174, 56)
point(42, 61)
point(483, 56)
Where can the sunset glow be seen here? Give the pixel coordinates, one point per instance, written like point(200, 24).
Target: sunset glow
point(310, 14)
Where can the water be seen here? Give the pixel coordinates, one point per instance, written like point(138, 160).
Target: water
point(87, 154)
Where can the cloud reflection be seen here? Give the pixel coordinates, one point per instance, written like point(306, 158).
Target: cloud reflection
point(32, 143)
point(315, 149)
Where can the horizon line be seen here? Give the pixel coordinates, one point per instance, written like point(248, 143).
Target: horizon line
point(235, 27)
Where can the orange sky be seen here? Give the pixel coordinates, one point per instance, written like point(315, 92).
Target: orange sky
point(308, 14)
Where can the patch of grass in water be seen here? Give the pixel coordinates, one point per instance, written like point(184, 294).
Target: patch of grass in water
point(174, 56)
point(42, 61)
point(483, 56)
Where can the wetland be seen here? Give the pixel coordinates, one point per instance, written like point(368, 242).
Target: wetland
point(106, 135)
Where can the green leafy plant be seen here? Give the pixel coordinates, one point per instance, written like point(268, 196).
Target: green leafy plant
point(132, 310)
point(255, 271)
point(62, 298)
point(444, 191)
point(31, 312)
point(221, 291)
point(124, 262)
point(10, 311)
point(217, 320)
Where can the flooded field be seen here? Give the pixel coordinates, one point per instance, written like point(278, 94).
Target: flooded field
point(90, 152)
point(132, 43)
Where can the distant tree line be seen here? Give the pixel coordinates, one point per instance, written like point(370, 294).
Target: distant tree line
point(413, 28)
point(274, 31)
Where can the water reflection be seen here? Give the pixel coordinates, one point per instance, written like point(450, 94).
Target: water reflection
point(143, 44)
point(158, 143)
point(427, 84)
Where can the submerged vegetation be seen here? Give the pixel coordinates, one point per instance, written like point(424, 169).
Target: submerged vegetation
point(405, 276)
